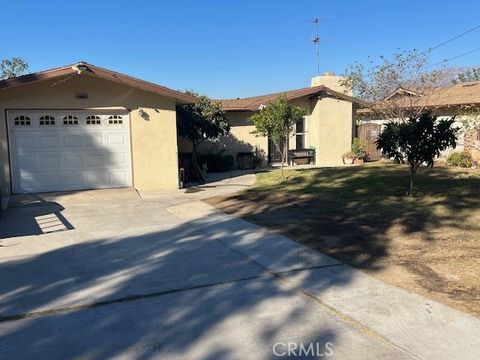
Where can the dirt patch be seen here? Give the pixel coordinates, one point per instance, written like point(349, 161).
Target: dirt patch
point(414, 247)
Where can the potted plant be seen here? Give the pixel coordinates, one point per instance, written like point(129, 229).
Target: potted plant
point(359, 151)
point(348, 158)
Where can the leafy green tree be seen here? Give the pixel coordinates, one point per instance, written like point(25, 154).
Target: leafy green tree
point(204, 120)
point(10, 68)
point(417, 141)
point(276, 121)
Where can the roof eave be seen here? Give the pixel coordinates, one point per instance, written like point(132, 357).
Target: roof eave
point(92, 70)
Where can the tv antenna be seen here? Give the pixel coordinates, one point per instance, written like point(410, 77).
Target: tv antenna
point(316, 42)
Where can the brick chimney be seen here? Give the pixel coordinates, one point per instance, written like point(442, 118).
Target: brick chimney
point(330, 80)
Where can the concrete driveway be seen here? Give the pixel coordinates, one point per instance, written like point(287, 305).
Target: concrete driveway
point(166, 276)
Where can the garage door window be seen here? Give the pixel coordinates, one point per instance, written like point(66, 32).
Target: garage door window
point(22, 121)
point(115, 119)
point(93, 120)
point(70, 120)
point(46, 120)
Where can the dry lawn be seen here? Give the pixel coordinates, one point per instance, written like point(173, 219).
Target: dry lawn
point(429, 244)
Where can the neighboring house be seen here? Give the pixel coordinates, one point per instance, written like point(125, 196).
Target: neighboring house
point(84, 127)
point(329, 126)
point(459, 100)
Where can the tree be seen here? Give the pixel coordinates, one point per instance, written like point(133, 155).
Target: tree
point(276, 121)
point(10, 68)
point(417, 141)
point(394, 85)
point(472, 74)
point(204, 120)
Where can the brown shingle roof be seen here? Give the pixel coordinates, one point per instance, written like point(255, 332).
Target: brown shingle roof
point(467, 93)
point(253, 103)
point(93, 70)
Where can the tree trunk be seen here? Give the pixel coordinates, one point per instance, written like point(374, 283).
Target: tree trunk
point(195, 171)
point(282, 158)
point(412, 180)
point(194, 152)
point(281, 166)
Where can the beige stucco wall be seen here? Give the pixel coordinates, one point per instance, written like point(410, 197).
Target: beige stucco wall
point(333, 130)
point(154, 138)
point(329, 126)
point(240, 138)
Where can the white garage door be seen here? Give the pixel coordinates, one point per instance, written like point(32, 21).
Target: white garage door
point(69, 150)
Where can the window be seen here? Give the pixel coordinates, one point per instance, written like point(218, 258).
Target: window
point(93, 120)
point(22, 120)
point(115, 119)
point(70, 120)
point(46, 120)
point(300, 134)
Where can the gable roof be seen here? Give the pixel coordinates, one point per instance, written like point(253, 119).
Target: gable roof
point(401, 91)
point(467, 93)
point(461, 94)
point(99, 72)
point(254, 103)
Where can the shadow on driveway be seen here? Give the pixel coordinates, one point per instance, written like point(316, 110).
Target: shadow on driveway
point(173, 293)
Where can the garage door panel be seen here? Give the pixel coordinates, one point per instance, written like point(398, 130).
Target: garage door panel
point(25, 161)
point(97, 158)
point(48, 141)
point(74, 179)
point(97, 179)
point(73, 141)
point(63, 157)
point(40, 182)
point(94, 140)
point(73, 159)
point(116, 139)
point(117, 177)
point(45, 161)
point(24, 142)
point(118, 158)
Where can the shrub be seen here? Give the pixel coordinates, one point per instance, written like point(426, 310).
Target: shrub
point(258, 158)
point(349, 155)
point(216, 162)
point(359, 148)
point(462, 159)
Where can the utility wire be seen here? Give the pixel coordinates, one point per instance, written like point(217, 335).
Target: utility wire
point(453, 58)
point(454, 38)
point(370, 73)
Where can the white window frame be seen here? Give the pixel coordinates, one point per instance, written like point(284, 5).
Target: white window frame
point(304, 133)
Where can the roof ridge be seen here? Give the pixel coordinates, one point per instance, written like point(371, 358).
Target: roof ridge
point(100, 72)
point(275, 93)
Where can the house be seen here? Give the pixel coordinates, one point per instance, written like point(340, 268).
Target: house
point(328, 127)
point(84, 127)
point(461, 100)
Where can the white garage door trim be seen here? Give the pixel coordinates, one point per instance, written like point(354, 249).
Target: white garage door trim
point(66, 150)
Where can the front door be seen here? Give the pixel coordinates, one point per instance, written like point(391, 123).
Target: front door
point(368, 133)
point(274, 153)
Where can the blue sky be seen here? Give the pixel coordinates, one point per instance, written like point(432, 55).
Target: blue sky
point(231, 48)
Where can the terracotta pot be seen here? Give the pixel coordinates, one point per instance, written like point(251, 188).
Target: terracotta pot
point(358, 162)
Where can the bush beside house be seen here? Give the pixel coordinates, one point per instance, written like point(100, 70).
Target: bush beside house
point(461, 159)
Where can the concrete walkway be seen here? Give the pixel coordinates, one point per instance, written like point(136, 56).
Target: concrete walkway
point(164, 275)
